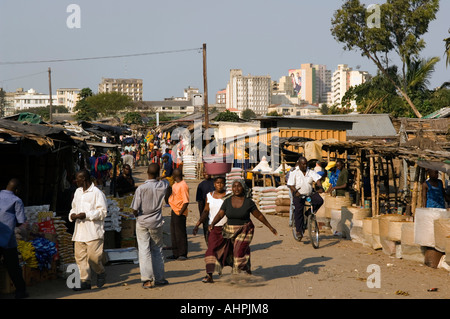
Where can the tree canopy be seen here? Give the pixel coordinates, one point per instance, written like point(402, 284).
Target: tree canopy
point(400, 33)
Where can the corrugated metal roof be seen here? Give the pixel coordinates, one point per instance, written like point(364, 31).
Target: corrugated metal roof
point(439, 114)
point(365, 125)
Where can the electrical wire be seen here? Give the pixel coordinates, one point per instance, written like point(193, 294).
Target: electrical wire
point(23, 76)
point(99, 58)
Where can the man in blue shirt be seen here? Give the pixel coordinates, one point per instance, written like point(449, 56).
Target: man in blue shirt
point(12, 214)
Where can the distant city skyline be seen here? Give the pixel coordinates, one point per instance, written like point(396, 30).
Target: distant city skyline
point(259, 37)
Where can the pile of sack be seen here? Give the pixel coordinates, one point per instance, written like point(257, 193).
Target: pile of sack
point(189, 167)
point(235, 173)
point(283, 201)
point(265, 198)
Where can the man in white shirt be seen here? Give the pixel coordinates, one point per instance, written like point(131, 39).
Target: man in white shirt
point(128, 159)
point(88, 211)
point(300, 183)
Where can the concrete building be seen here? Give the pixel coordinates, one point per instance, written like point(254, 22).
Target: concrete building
point(343, 79)
point(68, 98)
point(323, 82)
point(221, 97)
point(131, 87)
point(32, 99)
point(251, 91)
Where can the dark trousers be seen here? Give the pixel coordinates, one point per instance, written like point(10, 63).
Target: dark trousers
point(11, 257)
point(201, 207)
point(299, 204)
point(178, 235)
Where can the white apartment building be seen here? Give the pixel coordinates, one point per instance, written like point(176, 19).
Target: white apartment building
point(130, 87)
point(343, 79)
point(68, 97)
point(323, 82)
point(32, 99)
point(251, 91)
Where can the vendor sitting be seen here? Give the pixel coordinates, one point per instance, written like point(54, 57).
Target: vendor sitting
point(434, 195)
point(125, 183)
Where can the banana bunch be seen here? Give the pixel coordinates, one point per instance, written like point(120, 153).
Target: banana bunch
point(28, 253)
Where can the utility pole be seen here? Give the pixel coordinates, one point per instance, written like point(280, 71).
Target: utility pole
point(50, 92)
point(205, 89)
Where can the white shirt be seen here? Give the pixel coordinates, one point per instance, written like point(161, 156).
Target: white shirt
point(92, 202)
point(214, 207)
point(303, 182)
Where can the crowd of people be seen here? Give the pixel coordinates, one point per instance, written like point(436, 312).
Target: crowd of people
point(226, 217)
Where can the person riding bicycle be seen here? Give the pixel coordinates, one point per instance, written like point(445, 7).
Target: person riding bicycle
point(301, 182)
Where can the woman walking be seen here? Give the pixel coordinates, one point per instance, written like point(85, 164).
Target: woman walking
point(214, 201)
point(238, 231)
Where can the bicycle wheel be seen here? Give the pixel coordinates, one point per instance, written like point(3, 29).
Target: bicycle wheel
point(313, 229)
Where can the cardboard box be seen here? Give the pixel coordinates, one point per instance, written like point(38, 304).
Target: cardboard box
point(128, 228)
point(128, 242)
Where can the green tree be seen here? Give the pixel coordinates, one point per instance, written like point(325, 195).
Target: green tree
point(85, 112)
point(447, 50)
point(227, 116)
point(44, 111)
point(133, 118)
point(273, 113)
point(402, 26)
point(248, 114)
point(108, 104)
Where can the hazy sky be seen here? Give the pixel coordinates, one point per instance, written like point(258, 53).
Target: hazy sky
point(260, 37)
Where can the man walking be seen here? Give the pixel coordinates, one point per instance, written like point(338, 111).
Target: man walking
point(179, 201)
point(147, 207)
point(12, 214)
point(88, 211)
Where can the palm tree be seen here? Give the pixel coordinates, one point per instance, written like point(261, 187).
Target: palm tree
point(447, 50)
point(419, 74)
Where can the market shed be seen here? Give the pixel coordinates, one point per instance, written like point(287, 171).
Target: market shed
point(42, 157)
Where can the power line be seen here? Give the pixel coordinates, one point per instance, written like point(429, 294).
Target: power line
point(23, 76)
point(100, 57)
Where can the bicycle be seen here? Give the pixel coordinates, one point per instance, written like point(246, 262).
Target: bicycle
point(311, 224)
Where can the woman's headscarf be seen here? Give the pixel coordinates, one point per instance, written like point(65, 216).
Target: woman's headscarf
point(247, 191)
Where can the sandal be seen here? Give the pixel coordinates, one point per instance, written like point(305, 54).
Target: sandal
point(146, 284)
point(208, 279)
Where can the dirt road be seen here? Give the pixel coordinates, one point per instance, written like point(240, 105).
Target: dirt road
point(282, 269)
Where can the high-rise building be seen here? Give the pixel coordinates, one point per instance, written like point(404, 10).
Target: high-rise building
point(343, 79)
point(130, 87)
point(251, 91)
point(323, 82)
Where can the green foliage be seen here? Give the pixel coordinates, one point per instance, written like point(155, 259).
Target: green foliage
point(402, 26)
point(108, 104)
point(248, 114)
point(90, 106)
point(227, 116)
point(44, 111)
point(133, 118)
point(273, 113)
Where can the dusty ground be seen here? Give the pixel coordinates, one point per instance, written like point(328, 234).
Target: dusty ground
point(282, 269)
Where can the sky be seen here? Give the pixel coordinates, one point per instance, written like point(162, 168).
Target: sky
point(260, 37)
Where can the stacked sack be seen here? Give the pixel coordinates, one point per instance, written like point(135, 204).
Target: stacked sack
point(189, 167)
point(267, 198)
point(65, 243)
point(235, 173)
point(113, 217)
point(283, 201)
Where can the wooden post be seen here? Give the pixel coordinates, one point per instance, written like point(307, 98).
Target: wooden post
point(372, 185)
point(415, 190)
point(395, 182)
point(205, 90)
point(358, 178)
point(50, 93)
